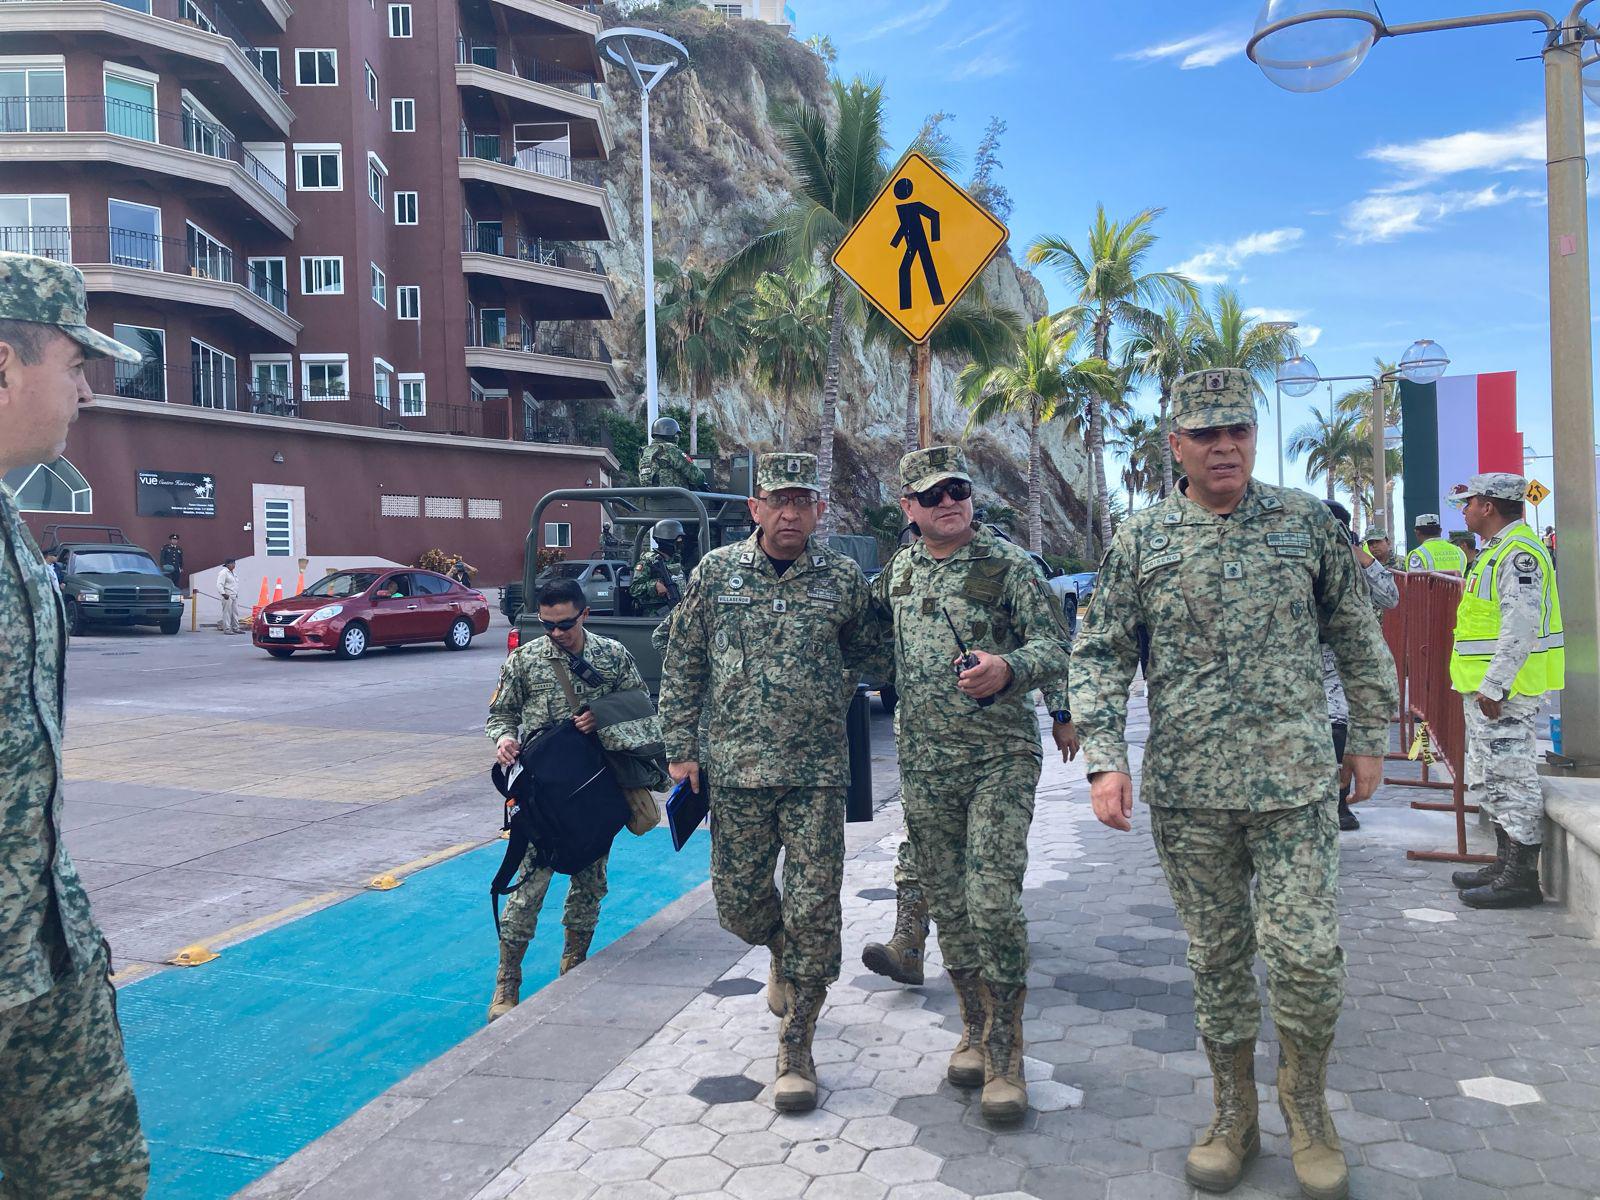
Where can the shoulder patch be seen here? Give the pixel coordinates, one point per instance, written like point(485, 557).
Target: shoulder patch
point(1159, 542)
point(1271, 503)
point(1524, 561)
point(1173, 518)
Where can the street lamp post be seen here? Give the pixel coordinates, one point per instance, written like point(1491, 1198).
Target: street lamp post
point(1303, 47)
point(620, 45)
point(1277, 392)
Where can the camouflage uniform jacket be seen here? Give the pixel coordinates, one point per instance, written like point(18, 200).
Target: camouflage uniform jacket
point(763, 660)
point(1237, 609)
point(529, 699)
point(664, 464)
point(42, 901)
point(999, 603)
point(642, 587)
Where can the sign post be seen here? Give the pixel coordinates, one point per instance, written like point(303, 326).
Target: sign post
point(920, 244)
point(1537, 494)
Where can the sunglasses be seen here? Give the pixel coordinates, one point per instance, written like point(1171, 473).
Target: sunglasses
point(956, 489)
point(800, 503)
point(563, 626)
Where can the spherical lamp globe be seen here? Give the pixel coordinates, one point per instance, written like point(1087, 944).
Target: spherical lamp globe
point(1310, 45)
point(1298, 376)
point(1423, 362)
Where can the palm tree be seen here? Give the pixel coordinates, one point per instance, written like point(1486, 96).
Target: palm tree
point(1163, 347)
point(789, 333)
point(1113, 289)
point(1357, 402)
point(1229, 337)
point(1039, 379)
point(703, 340)
point(1141, 441)
point(1329, 443)
point(838, 171)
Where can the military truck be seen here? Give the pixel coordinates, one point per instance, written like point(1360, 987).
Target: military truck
point(107, 580)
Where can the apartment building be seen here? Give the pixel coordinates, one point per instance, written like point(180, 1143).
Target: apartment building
point(773, 12)
point(354, 240)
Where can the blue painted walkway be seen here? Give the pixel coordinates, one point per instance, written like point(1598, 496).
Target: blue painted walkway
point(241, 1062)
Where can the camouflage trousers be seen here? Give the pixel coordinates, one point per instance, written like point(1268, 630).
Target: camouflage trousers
point(69, 1124)
point(748, 828)
point(1209, 856)
point(1501, 775)
point(521, 916)
point(969, 835)
point(906, 874)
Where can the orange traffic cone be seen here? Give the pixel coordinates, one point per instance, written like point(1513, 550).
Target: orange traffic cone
point(261, 602)
point(277, 591)
point(299, 583)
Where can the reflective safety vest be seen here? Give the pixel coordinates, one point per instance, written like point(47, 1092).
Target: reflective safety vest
point(1478, 621)
point(1437, 554)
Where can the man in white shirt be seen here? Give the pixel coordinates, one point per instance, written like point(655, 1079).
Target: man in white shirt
point(228, 589)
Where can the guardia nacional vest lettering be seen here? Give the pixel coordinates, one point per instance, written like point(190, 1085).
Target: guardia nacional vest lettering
point(1478, 622)
point(1438, 554)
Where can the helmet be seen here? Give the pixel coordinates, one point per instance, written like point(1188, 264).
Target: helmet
point(664, 430)
point(667, 531)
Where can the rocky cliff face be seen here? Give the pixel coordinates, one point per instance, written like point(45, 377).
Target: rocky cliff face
point(718, 176)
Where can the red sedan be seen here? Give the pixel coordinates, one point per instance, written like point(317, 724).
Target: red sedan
point(350, 611)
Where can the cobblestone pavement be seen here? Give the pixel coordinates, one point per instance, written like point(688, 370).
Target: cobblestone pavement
point(1467, 1062)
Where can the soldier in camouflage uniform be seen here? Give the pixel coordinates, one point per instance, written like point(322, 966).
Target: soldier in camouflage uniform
point(529, 700)
point(968, 771)
point(69, 1124)
point(1239, 584)
point(664, 464)
point(1509, 653)
point(649, 594)
point(758, 657)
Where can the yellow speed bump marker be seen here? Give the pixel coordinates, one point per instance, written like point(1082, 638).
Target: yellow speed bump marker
point(383, 883)
point(919, 245)
point(193, 956)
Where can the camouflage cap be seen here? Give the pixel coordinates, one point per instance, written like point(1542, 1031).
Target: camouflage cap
point(775, 472)
point(1210, 399)
point(1426, 519)
point(1375, 534)
point(922, 469)
point(51, 293)
point(1498, 485)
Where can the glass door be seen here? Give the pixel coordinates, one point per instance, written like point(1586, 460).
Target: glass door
point(135, 232)
point(214, 376)
point(130, 108)
point(270, 383)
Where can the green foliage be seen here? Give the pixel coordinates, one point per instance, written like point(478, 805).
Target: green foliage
point(789, 331)
point(627, 441)
point(1068, 564)
point(885, 521)
point(986, 187)
point(723, 52)
point(710, 443)
point(1003, 516)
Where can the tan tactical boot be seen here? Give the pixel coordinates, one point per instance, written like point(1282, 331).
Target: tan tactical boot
point(966, 1063)
point(508, 979)
point(796, 1086)
point(1216, 1160)
point(901, 957)
point(777, 985)
point(576, 948)
point(1318, 1157)
point(1005, 1095)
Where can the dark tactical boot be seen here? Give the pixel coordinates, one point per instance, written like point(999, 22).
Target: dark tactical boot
point(1318, 1156)
point(901, 958)
point(966, 1064)
point(1489, 872)
point(1515, 887)
point(796, 1086)
point(1005, 1095)
point(1217, 1159)
point(1348, 821)
point(777, 985)
point(508, 979)
point(576, 948)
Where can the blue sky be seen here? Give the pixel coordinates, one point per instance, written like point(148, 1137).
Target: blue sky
point(1406, 202)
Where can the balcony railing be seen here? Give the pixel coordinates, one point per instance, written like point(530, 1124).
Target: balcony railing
point(488, 239)
point(491, 147)
point(561, 343)
point(124, 118)
point(86, 244)
point(208, 17)
point(497, 54)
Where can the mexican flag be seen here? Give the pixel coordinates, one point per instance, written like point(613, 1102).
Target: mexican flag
point(1454, 429)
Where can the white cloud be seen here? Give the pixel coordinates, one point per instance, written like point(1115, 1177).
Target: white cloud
point(985, 66)
point(962, 40)
point(1201, 50)
point(1307, 335)
point(1387, 215)
point(905, 20)
point(1515, 148)
point(1216, 263)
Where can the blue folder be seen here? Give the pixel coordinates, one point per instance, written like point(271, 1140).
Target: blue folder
point(686, 808)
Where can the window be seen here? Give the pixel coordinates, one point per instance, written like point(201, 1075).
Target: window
point(445, 507)
point(268, 64)
point(430, 585)
point(729, 10)
point(146, 379)
point(382, 382)
point(316, 68)
point(405, 208)
point(278, 523)
point(192, 13)
point(399, 20)
point(131, 105)
point(492, 327)
point(214, 375)
point(202, 132)
point(558, 535)
point(269, 279)
point(53, 487)
point(325, 375)
point(483, 510)
point(208, 258)
point(322, 275)
point(414, 398)
point(372, 85)
point(380, 286)
point(36, 225)
point(317, 168)
point(403, 115)
point(376, 174)
point(408, 302)
point(135, 234)
point(32, 98)
point(269, 384)
point(399, 506)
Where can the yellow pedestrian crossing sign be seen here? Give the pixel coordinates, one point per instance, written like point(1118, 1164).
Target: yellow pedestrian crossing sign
point(919, 245)
point(1536, 492)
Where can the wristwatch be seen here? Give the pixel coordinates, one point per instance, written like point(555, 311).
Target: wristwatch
point(1061, 716)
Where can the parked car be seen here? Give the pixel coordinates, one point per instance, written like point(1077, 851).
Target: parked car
point(1073, 592)
point(107, 580)
point(600, 578)
point(351, 611)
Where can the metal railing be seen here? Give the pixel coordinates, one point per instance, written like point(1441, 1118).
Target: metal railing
point(139, 122)
point(497, 54)
point(487, 238)
point(560, 343)
point(492, 147)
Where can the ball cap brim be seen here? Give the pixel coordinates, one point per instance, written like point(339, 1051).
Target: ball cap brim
point(1219, 416)
point(99, 345)
point(925, 482)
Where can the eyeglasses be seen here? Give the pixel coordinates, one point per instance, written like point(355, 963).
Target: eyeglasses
point(1207, 437)
point(802, 502)
point(563, 626)
point(956, 489)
